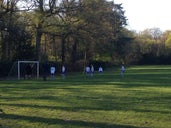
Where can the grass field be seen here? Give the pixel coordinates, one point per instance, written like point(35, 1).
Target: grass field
point(140, 100)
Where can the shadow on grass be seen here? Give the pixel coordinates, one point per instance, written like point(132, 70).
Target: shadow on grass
point(76, 123)
point(119, 106)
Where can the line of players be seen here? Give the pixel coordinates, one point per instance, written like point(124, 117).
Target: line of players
point(89, 70)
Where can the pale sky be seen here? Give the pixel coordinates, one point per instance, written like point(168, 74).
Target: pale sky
point(143, 14)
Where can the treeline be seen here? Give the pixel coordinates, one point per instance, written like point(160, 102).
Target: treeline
point(76, 32)
point(153, 46)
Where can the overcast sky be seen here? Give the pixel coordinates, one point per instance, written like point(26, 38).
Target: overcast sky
point(142, 14)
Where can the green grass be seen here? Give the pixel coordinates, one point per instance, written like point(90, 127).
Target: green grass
point(141, 100)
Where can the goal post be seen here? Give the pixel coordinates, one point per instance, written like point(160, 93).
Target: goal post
point(27, 62)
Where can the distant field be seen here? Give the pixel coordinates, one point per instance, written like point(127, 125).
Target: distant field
point(142, 99)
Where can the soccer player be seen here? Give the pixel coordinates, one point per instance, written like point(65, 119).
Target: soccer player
point(45, 70)
point(122, 71)
point(52, 72)
point(28, 71)
point(63, 71)
point(92, 70)
point(100, 69)
point(87, 70)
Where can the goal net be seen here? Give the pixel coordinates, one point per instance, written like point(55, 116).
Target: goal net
point(19, 69)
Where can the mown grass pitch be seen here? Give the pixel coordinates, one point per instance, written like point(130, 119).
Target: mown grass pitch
point(141, 100)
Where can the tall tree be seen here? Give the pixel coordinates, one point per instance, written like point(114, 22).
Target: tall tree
point(100, 21)
point(7, 16)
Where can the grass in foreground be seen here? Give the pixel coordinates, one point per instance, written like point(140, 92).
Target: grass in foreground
point(141, 100)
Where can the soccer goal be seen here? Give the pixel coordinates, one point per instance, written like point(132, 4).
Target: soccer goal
point(19, 69)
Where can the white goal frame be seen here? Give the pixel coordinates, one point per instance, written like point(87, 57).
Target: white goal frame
point(30, 62)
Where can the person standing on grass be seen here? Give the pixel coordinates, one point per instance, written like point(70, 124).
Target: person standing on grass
point(87, 70)
point(28, 71)
point(52, 72)
point(45, 71)
point(63, 71)
point(92, 70)
point(100, 69)
point(122, 71)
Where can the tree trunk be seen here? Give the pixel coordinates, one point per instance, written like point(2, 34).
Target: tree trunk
point(3, 48)
point(63, 49)
point(38, 40)
point(74, 52)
